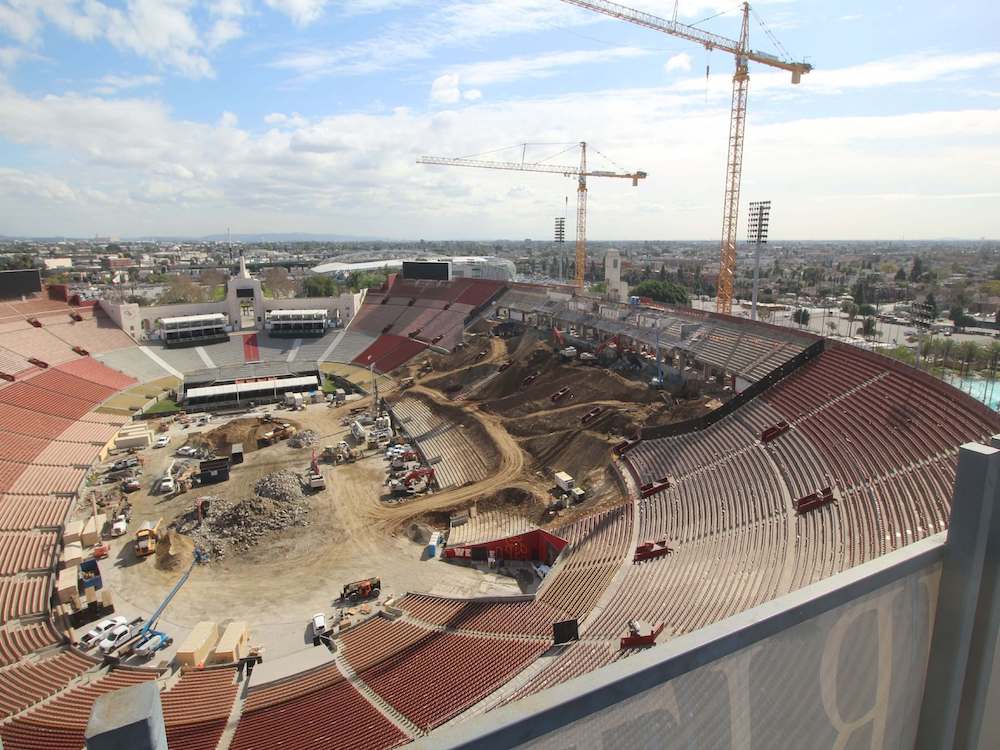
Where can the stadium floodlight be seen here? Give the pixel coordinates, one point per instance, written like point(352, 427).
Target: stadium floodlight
point(760, 212)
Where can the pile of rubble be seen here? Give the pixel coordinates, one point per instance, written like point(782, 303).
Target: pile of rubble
point(304, 439)
point(278, 503)
point(284, 485)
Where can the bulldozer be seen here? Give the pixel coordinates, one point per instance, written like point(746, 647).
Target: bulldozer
point(367, 588)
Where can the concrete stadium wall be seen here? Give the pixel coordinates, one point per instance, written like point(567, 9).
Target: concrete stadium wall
point(898, 652)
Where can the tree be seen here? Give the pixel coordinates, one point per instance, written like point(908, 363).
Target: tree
point(212, 277)
point(662, 291)
point(359, 280)
point(867, 328)
point(917, 270)
point(17, 262)
point(969, 351)
point(319, 286)
point(957, 314)
point(180, 289)
point(866, 311)
point(277, 280)
point(932, 304)
point(901, 274)
point(801, 316)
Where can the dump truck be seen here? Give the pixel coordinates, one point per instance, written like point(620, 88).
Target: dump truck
point(358, 590)
point(146, 537)
point(281, 432)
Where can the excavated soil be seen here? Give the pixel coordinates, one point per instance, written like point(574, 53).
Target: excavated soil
point(174, 551)
point(577, 452)
point(509, 397)
point(457, 381)
point(245, 431)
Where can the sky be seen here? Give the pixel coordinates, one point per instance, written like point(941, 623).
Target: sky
point(176, 117)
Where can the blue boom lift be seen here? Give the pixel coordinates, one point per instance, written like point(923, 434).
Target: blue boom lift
point(152, 640)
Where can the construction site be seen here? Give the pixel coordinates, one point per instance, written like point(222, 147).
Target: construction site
point(277, 540)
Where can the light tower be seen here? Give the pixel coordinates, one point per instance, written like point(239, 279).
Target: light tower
point(757, 219)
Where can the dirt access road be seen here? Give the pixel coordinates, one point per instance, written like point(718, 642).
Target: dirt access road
point(509, 472)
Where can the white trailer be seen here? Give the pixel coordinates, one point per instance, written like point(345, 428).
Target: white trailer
point(564, 481)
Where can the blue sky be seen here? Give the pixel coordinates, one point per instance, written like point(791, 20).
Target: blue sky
point(178, 117)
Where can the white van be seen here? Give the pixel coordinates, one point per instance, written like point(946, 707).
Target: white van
point(167, 484)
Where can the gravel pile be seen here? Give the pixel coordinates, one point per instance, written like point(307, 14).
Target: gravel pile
point(284, 486)
point(304, 439)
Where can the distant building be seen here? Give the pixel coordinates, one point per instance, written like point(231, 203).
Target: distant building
point(462, 267)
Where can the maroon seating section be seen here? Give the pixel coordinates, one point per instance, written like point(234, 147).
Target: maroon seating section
point(88, 368)
point(430, 676)
point(18, 512)
point(389, 352)
point(505, 618)
point(319, 709)
point(595, 550)
point(26, 551)
point(26, 684)
point(18, 640)
point(23, 596)
point(412, 306)
point(60, 723)
point(197, 707)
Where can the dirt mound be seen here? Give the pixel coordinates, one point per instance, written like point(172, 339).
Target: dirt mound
point(418, 532)
point(174, 551)
point(574, 451)
point(219, 439)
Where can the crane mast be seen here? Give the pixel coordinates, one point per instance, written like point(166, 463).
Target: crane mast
point(741, 50)
point(581, 173)
point(581, 217)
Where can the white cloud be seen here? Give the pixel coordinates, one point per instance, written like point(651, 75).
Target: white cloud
point(908, 69)
point(539, 66)
point(472, 95)
point(162, 31)
point(680, 61)
point(444, 89)
point(159, 173)
point(112, 84)
point(302, 12)
point(449, 24)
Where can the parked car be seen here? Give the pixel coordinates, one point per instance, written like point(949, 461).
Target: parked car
point(319, 624)
point(125, 463)
point(187, 450)
point(119, 526)
point(131, 484)
point(97, 633)
point(115, 637)
point(162, 441)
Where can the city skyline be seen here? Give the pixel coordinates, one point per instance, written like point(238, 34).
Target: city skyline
point(177, 119)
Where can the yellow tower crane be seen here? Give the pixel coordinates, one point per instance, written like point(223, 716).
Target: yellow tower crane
point(581, 173)
point(740, 49)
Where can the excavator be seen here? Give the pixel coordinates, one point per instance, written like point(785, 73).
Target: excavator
point(412, 483)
